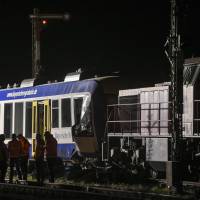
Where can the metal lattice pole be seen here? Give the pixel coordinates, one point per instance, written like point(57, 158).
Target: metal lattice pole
point(176, 84)
point(174, 55)
point(35, 44)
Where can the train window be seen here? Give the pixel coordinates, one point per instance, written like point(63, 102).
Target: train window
point(130, 112)
point(77, 109)
point(28, 123)
point(45, 117)
point(55, 116)
point(8, 119)
point(34, 118)
point(66, 112)
point(19, 118)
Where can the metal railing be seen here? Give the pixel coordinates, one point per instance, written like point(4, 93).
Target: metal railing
point(148, 120)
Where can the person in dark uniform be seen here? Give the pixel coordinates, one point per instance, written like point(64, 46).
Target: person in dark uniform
point(51, 154)
point(14, 150)
point(39, 159)
point(3, 158)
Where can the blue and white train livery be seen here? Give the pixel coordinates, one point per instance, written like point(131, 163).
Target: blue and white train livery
point(72, 111)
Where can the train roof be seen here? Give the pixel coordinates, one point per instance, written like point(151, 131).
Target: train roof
point(130, 92)
point(50, 89)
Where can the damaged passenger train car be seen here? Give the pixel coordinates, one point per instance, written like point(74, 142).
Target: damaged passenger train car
point(72, 110)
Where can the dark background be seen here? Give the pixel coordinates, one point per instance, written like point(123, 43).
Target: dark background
point(101, 37)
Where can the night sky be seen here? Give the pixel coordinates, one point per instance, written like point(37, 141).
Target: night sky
point(102, 37)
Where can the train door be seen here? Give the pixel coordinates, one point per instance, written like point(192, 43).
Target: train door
point(41, 115)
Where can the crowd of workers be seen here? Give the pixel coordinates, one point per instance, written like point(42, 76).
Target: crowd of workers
point(16, 154)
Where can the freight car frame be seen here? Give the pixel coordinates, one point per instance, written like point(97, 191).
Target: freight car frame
point(141, 121)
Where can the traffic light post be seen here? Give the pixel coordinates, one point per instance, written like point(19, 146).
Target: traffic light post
point(39, 19)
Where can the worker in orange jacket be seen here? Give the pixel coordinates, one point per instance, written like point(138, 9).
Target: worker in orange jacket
point(14, 150)
point(51, 154)
point(3, 158)
point(39, 158)
point(25, 145)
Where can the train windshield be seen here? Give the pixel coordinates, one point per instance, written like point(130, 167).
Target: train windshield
point(85, 123)
point(82, 115)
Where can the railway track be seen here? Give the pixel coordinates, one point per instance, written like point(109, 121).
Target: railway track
point(185, 183)
point(71, 192)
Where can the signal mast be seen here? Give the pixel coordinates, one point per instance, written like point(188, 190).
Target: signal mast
point(38, 20)
point(174, 55)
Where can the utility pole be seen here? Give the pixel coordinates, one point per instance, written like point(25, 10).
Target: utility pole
point(38, 20)
point(174, 54)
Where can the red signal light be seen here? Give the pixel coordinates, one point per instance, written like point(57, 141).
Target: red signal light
point(44, 22)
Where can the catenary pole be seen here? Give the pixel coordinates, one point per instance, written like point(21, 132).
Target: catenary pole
point(175, 57)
